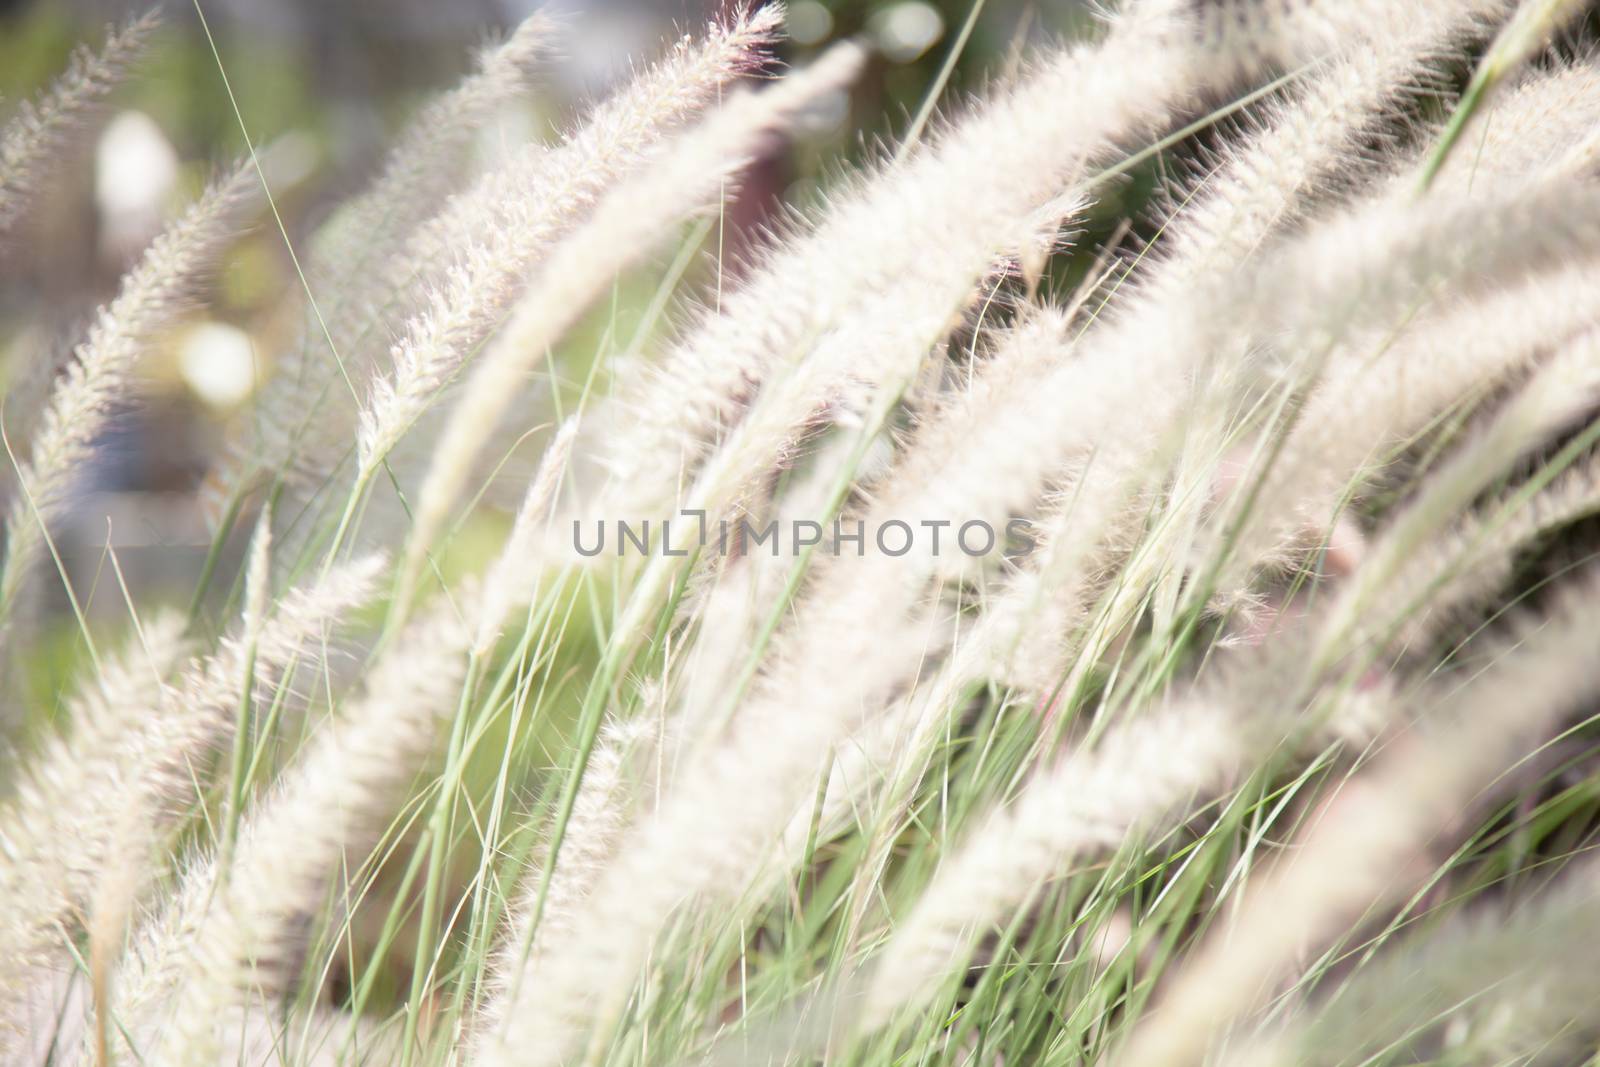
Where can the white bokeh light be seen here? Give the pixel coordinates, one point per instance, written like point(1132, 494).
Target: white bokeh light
point(809, 22)
point(218, 363)
point(907, 30)
point(135, 175)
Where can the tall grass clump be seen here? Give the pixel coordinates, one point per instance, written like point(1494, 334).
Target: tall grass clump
point(1108, 582)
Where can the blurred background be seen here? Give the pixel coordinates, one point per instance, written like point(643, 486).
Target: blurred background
point(328, 84)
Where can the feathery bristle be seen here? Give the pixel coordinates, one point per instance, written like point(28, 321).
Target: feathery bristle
point(350, 273)
point(495, 253)
point(152, 297)
point(42, 128)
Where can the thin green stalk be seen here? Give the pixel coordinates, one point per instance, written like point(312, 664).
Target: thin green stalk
point(208, 569)
point(239, 760)
point(930, 99)
point(439, 837)
point(1528, 29)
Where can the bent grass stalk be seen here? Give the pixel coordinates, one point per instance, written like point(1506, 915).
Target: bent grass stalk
point(1292, 460)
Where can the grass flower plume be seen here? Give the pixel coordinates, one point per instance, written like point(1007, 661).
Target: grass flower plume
point(1103, 578)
